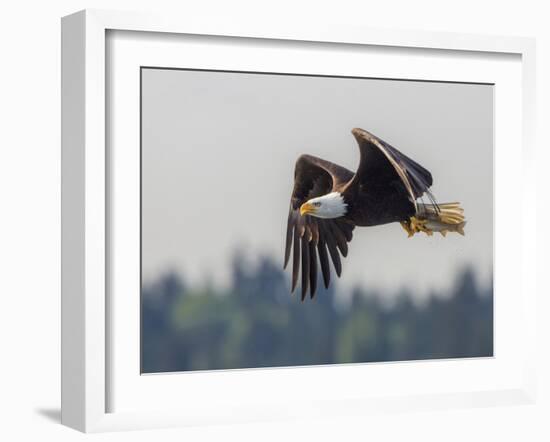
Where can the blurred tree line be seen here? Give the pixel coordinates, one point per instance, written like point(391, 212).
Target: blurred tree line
point(257, 323)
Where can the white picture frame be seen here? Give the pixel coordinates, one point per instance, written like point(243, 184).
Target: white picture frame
point(89, 359)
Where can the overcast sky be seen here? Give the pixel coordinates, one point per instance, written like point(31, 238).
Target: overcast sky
point(218, 153)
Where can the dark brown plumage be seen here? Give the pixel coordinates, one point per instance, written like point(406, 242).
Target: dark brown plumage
point(384, 189)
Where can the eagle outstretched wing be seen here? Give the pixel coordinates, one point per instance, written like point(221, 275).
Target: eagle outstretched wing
point(380, 163)
point(308, 236)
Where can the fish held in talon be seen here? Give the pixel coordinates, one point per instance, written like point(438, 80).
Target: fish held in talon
point(329, 201)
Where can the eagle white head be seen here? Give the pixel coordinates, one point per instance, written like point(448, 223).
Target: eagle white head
point(328, 206)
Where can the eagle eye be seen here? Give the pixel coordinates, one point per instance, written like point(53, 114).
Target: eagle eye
point(317, 204)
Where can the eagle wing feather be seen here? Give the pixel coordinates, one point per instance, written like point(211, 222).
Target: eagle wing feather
point(381, 163)
point(309, 237)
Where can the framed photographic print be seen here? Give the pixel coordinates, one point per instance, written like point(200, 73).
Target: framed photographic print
point(250, 213)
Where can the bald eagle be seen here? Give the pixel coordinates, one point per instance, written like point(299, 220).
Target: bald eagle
point(328, 201)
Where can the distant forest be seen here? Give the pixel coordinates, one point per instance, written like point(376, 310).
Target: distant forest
point(257, 323)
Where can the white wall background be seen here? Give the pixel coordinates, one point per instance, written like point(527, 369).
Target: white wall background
point(30, 216)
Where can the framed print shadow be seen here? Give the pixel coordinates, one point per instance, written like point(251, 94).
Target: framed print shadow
point(249, 213)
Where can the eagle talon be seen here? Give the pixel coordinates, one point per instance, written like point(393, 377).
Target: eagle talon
point(419, 225)
point(407, 227)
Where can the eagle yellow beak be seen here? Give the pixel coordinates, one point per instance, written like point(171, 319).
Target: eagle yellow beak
point(307, 208)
